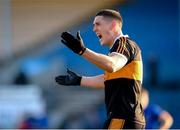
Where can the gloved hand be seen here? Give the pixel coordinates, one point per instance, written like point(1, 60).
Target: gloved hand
point(74, 43)
point(70, 79)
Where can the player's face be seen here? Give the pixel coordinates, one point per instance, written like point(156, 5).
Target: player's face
point(102, 28)
point(144, 99)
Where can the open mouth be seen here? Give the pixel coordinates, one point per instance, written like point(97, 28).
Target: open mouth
point(99, 36)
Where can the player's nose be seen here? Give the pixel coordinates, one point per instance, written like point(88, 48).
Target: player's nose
point(94, 28)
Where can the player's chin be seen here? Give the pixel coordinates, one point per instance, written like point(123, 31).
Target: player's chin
point(103, 43)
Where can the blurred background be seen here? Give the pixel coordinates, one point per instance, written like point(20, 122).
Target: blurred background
point(31, 56)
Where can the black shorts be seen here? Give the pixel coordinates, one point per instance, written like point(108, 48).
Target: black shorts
point(114, 123)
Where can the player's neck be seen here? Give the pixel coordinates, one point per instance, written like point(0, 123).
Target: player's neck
point(115, 37)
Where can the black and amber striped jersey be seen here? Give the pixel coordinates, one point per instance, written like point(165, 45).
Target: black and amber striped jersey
point(123, 87)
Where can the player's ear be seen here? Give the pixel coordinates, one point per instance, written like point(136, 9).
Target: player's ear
point(113, 24)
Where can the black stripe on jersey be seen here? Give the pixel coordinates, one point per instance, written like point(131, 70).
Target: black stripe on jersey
point(115, 46)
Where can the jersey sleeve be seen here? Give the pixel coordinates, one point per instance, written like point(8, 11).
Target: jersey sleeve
point(121, 47)
point(157, 110)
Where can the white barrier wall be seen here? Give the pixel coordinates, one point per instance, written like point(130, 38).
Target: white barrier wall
point(18, 101)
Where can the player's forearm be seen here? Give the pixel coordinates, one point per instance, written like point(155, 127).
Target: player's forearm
point(166, 120)
point(93, 82)
point(102, 61)
point(165, 125)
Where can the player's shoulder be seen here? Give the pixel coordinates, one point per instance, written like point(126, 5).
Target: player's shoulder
point(118, 43)
point(154, 107)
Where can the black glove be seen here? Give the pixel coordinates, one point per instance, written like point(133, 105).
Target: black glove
point(70, 79)
point(74, 43)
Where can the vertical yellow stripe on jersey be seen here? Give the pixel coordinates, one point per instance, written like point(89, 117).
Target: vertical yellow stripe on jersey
point(116, 124)
point(123, 43)
point(120, 40)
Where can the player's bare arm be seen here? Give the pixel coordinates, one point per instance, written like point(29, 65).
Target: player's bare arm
point(73, 79)
point(94, 81)
point(166, 120)
point(110, 63)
